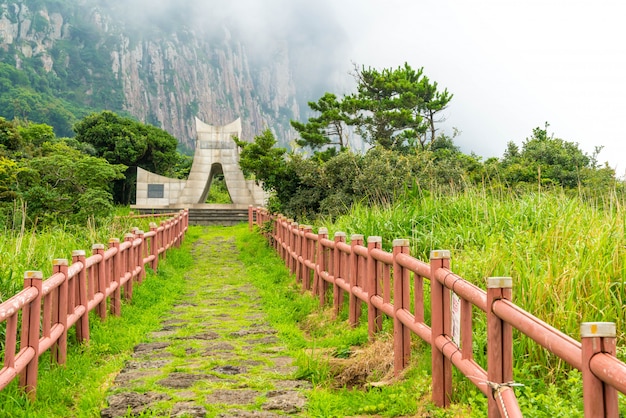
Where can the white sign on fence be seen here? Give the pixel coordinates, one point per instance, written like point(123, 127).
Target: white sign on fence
point(456, 319)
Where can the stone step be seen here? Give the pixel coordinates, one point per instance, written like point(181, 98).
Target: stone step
point(218, 216)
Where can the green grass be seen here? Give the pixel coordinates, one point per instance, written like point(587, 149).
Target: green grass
point(310, 332)
point(218, 193)
point(22, 250)
point(488, 236)
point(78, 388)
point(566, 255)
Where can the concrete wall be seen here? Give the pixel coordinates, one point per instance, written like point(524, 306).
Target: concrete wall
point(171, 189)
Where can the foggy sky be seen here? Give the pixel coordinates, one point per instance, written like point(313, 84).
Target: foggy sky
point(317, 42)
point(512, 66)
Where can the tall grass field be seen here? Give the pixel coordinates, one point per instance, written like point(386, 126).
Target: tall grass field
point(35, 249)
point(565, 253)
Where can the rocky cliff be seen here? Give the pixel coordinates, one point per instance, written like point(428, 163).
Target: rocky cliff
point(163, 70)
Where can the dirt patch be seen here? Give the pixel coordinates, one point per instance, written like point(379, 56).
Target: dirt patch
point(233, 397)
point(287, 401)
point(221, 346)
point(371, 365)
point(230, 370)
point(126, 376)
point(150, 347)
point(264, 340)
point(155, 364)
point(184, 380)
point(203, 336)
point(235, 413)
point(135, 403)
point(188, 410)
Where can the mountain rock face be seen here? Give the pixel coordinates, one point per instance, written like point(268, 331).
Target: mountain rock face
point(163, 66)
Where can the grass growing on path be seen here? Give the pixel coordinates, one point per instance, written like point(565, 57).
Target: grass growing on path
point(322, 345)
point(319, 342)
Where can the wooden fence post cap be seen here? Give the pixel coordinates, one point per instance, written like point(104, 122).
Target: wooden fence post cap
point(134, 229)
point(59, 262)
point(499, 282)
point(597, 329)
point(400, 242)
point(322, 231)
point(153, 225)
point(97, 247)
point(439, 254)
point(340, 234)
point(78, 253)
point(114, 241)
point(356, 237)
point(140, 232)
point(374, 239)
point(307, 227)
point(31, 274)
point(129, 236)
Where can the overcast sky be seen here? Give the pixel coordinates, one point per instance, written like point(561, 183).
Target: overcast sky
point(512, 66)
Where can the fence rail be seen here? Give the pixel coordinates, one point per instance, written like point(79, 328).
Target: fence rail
point(49, 308)
point(384, 283)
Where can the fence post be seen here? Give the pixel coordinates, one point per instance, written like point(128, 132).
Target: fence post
point(354, 304)
point(307, 255)
point(165, 238)
point(600, 399)
point(186, 219)
point(374, 316)
point(299, 254)
point(140, 256)
point(82, 327)
point(293, 248)
point(284, 238)
point(337, 272)
point(101, 284)
point(129, 266)
point(30, 333)
point(440, 321)
point(401, 300)
point(320, 286)
point(499, 339)
point(288, 243)
point(250, 217)
point(154, 246)
point(179, 229)
point(58, 351)
point(116, 268)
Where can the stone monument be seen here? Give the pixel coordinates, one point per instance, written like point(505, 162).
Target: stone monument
point(216, 153)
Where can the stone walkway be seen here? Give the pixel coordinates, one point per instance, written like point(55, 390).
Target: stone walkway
point(215, 355)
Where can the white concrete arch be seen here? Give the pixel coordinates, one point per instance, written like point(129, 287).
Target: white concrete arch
point(215, 150)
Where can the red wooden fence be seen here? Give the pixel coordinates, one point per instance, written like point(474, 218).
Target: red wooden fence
point(381, 282)
point(50, 307)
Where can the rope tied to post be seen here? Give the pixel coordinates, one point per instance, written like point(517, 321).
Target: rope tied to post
point(497, 389)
